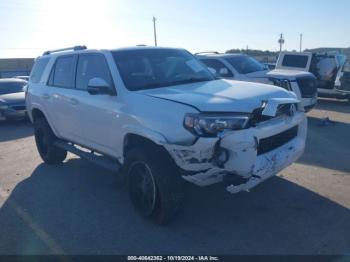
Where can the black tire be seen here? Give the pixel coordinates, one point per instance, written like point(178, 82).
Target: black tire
point(45, 139)
point(159, 194)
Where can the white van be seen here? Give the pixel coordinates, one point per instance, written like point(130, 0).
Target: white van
point(326, 67)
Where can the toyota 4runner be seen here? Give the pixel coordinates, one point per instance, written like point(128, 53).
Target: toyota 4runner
point(160, 117)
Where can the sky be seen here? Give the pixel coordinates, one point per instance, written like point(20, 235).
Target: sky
point(29, 27)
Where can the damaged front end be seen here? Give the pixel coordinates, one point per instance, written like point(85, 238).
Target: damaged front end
point(241, 159)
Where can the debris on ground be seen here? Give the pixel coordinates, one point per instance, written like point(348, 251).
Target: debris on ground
point(326, 122)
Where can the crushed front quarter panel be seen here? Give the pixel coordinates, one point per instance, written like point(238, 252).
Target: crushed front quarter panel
point(196, 157)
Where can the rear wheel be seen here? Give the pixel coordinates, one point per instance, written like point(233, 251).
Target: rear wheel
point(155, 187)
point(45, 142)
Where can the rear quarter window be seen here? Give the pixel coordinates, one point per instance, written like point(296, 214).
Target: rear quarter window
point(295, 61)
point(38, 69)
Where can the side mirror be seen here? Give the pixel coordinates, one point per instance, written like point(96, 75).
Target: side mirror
point(99, 86)
point(212, 70)
point(223, 71)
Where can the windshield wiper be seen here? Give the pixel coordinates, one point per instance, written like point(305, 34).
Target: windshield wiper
point(190, 80)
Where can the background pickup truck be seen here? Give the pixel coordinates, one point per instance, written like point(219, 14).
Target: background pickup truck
point(246, 68)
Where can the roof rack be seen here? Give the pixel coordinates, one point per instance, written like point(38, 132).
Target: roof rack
point(73, 48)
point(328, 53)
point(207, 52)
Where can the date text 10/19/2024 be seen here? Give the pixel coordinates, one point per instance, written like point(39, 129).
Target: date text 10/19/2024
point(173, 258)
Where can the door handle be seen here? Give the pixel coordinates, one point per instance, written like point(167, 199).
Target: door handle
point(73, 101)
point(46, 96)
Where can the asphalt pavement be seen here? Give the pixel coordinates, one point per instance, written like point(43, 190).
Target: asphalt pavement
point(79, 208)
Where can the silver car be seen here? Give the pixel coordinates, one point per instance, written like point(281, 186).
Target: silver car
point(12, 99)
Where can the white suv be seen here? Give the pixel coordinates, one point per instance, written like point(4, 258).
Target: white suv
point(158, 115)
point(246, 68)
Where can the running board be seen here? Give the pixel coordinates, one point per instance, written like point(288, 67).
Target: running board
point(107, 163)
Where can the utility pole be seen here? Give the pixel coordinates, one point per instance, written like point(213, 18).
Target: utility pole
point(301, 42)
point(155, 31)
point(281, 41)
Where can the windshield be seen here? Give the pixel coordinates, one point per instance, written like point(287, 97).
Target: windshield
point(154, 68)
point(245, 64)
point(11, 87)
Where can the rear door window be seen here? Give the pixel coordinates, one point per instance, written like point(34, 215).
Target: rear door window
point(92, 66)
point(63, 72)
point(294, 61)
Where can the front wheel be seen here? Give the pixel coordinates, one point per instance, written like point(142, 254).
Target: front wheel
point(45, 142)
point(155, 187)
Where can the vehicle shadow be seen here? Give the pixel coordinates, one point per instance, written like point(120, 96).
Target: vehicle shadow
point(78, 208)
point(334, 138)
point(11, 130)
point(336, 105)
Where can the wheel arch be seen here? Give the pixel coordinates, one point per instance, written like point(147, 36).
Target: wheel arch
point(132, 140)
point(37, 113)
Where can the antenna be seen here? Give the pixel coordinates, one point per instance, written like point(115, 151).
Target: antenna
point(281, 41)
point(155, 31)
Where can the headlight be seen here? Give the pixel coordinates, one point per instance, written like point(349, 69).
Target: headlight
point(284, 83)
point(208, 125)
point(3, 105)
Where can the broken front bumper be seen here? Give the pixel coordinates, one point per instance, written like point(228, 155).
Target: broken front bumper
point(253, 154)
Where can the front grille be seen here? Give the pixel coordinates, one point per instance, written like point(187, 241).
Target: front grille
point(282, 109)
point(307, 86)
point(17, 108)
point(286, 109)
point(270, 143)
point(284, 83)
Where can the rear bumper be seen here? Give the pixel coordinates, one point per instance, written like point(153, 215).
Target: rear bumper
point(242, 154)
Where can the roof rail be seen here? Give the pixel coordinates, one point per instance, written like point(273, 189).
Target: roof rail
point(73, 48)
point(207, 52)
point(328, 53)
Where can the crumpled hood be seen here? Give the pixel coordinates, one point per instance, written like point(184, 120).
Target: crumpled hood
point(223, 95)
point(13, 99)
